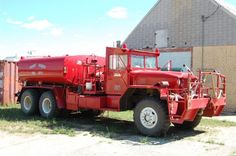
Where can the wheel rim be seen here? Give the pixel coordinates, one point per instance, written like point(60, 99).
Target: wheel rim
point(47, 105)
point(148, 117)
point(27, 103)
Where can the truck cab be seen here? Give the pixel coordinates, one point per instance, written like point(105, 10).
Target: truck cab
point(120, 64)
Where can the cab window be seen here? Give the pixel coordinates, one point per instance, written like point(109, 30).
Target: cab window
point(137, 61)
point(151, 62)
point(118, 62)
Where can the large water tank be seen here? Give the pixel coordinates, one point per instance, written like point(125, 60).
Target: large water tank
point(58, 70)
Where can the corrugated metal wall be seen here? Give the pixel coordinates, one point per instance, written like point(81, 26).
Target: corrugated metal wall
point(182, 21)
point(8, 82)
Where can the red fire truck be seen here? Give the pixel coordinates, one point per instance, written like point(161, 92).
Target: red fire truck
point(126, 79)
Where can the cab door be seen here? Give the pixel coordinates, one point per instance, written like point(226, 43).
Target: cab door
point(117, 73)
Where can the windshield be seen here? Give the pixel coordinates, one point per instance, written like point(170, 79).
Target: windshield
point(151, 62)
point(137, 61)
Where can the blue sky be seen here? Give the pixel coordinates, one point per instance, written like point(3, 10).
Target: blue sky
point(58, 27)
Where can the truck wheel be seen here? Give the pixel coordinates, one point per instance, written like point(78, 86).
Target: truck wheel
point(188, 125)
point(29, 101)
point(47, 105)
point(151, 117)
point(91, 113)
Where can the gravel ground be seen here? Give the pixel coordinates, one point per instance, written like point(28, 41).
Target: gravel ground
point(217, 141)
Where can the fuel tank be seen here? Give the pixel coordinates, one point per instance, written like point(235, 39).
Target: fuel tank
point(56, 70)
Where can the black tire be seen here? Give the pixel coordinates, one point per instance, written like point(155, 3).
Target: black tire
point(189, 125)
point(47, 105)
point(29, 102)
point(160, 126)
point(91, 113)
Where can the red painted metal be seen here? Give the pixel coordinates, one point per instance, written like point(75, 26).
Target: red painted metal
point(198, 103)
point(8, 82)
point(89, 82)
point(113, 102)
point(152, 77)
point(92, 102)
point(58, 70)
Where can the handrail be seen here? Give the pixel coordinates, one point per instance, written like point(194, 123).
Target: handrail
point(218, 88)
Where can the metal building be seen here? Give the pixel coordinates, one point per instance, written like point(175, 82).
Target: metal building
point(199, 33)
point(9, 84)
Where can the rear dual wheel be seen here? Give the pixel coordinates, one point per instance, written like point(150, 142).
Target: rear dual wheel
point(48, 105)
point(29, 102)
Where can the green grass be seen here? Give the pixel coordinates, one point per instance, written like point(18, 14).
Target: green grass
point(12, 120)
point(216, 123)
point(214, 142)
point(126, 116)
point(234, 153)
point(110, 124)
point(144, 140)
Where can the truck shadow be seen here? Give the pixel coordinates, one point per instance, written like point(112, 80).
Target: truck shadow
point(126, 131)
point(121, 130)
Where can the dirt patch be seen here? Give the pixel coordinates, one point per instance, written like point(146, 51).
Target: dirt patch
point(217, 141)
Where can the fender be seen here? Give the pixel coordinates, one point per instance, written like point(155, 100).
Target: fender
point(125, 103)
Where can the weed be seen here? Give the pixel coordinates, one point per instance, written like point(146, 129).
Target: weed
point(214, 142)
point(234, 153)
point(144, 140)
